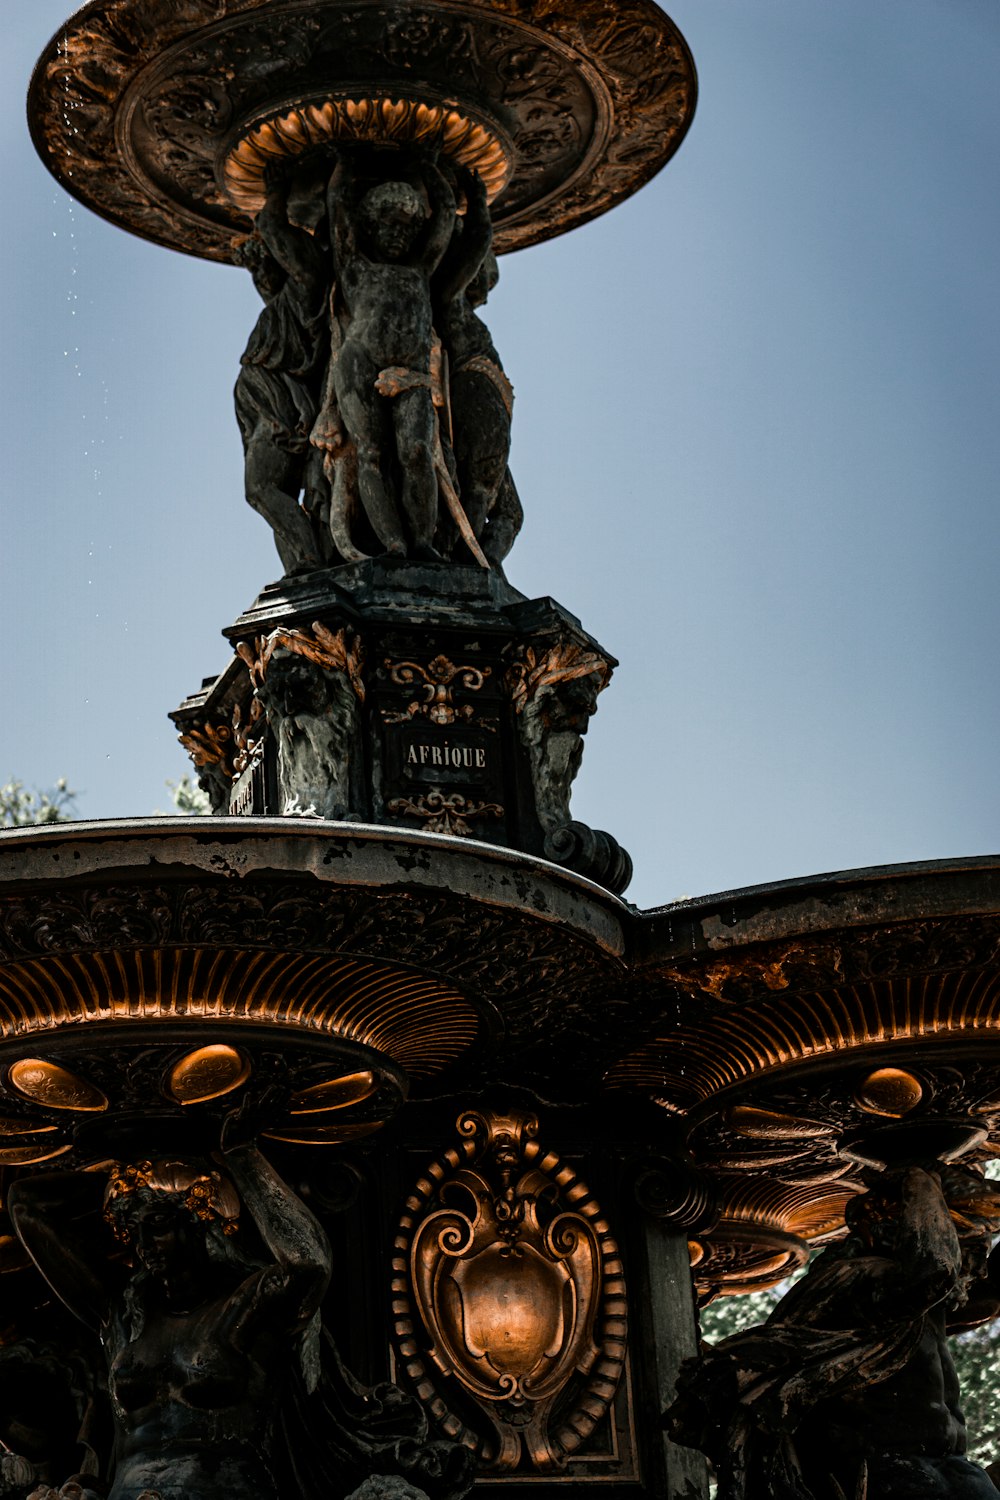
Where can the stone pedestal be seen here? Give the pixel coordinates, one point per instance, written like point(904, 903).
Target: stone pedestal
point(414, 695)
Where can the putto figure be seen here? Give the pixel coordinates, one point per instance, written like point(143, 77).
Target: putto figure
point(370, 386)
point(481, 396)
point(388, 240)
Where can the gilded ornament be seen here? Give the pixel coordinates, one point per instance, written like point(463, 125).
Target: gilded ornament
point(511, 1313)
point(889, 1091)
point(435, 684)
point(208, 1073)
point(209, 745)
point(334, 1093)
point(47, 1083)
point(469, 143)
point(566, 661)
point(333, 650)
point(445, 812)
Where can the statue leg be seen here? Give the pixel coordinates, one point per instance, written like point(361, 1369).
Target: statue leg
point(316, 500)
point(272, 479)
point(413, 416)
point(482, 443)
point(504, 522)
point(361, 409)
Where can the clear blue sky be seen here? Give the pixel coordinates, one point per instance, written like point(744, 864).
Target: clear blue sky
point(757, 437)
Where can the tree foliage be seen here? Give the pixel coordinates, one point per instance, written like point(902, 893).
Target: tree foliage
point(188, 797)
point(21, 807)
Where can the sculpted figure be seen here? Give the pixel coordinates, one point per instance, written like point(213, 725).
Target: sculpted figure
point(387, 243)
point(555, 696)
point(848, 1391)
point(482, 398)
point(202, 1338)
point(281, 369)
point(317, 718)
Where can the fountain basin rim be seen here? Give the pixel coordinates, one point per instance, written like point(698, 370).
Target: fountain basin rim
point(359, 854)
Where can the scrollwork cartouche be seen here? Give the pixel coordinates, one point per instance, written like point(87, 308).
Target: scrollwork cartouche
point(508, 1285)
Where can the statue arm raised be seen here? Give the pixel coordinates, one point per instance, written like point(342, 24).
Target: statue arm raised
point(470, 247)
point(339, 190)
point(293, 248)
point(442, 224)
point(926, 1258)
point(57, 1219)
point(291, 1233)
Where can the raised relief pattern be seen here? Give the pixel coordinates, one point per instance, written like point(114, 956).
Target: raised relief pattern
point(511, 1314)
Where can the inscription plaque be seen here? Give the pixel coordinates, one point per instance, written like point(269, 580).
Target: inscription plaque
point(424, 755)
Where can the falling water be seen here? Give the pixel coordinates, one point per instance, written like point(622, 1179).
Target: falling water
point(95, 423)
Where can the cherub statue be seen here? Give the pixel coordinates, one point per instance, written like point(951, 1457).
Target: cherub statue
point(388, 240)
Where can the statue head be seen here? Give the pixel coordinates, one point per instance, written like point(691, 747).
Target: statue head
point(268, 277)
point(872, 1217)
point(392, 216)
point(164, 1209)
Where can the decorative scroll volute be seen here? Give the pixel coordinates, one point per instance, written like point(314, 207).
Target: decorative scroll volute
point(517, 1293)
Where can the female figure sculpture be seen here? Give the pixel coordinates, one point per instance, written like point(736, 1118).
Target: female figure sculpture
point(849, 1391)
point(201, 1340)
point(277, 389)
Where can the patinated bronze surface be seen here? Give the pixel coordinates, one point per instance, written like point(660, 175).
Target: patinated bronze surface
point(210, 1030)
point(849, 1389)
point(164, 116)
point(370, 386)
point(219, 1378)
point(347, 966)
point(422, 695)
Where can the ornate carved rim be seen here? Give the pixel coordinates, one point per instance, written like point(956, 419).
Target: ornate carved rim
point(469, 142)
point(458, 947)
point(629, 64)
point(88, 1089)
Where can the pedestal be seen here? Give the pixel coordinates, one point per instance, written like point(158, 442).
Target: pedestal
point(415, 695)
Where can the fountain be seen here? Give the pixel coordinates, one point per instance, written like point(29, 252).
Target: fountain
point(369, 1142)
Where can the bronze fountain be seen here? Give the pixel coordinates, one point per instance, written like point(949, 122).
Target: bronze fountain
point(360, 1138)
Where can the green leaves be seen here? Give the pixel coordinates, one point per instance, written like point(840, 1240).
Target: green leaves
point(20, 807)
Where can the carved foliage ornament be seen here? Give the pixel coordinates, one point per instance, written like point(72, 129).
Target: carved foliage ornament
point(333, 650)
point(435, 684)
point(209, 744)
point(159, 114)
point(510, 1301)
point(536, 672)
point(445, 812)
